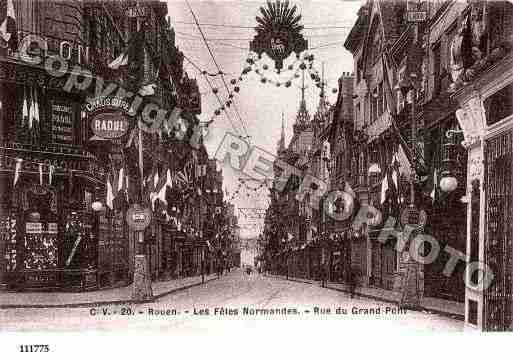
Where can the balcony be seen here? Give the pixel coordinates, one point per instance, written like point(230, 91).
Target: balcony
point(63, 158)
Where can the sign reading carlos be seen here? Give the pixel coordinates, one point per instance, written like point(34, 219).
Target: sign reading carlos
point(108, 118)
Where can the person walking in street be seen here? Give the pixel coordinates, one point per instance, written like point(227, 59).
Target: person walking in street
point(352, 280)
point(324, 275)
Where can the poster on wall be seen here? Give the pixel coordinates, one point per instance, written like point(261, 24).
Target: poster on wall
point(61, 119)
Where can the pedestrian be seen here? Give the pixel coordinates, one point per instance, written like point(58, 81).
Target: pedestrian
point(352, 280)
point(324, 275)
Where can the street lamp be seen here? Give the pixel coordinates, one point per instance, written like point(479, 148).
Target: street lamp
point(97, 206)
point(449, 182)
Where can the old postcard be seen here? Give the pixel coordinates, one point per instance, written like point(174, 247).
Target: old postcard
point(255, 166)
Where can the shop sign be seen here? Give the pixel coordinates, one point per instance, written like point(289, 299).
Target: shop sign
point(416, 10)
point(135, 11)
point(52, 228)
point(413, 217)
point(108, 117)
point(138, 218)
point(33, 228)
point(62, 122)
point(67, 50)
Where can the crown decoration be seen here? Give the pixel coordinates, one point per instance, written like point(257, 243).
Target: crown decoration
point(278, 33)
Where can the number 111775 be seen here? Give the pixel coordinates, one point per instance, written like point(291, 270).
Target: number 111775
point(34, 348)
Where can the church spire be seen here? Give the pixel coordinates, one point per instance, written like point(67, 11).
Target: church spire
point(302, 117)
point(281, 142)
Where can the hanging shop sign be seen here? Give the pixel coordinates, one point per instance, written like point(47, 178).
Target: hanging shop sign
point(413, 217)
point(33, 228)
point(108, 117)
point(278, 33)
point(138, 217)
point(35, 46)
point(416, 10)
point(61, 115)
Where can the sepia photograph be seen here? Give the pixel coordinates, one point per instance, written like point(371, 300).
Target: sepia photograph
point(251, 169)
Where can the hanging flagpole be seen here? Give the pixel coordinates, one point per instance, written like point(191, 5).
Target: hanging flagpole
point(141, 171)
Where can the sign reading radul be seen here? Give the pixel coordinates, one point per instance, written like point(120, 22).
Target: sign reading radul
point(108, 117)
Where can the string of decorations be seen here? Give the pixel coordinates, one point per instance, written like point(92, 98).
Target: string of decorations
point(306, 63)
point(266, 74)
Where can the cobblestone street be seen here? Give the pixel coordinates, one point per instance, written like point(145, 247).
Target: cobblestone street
point(236, 301)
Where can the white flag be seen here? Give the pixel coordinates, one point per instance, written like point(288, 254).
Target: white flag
point(50, 174)
point(24, 113)
point(4, 31)
point(110, 195)
point(36, 108)
point(41, 174)
point(148, 90)
point(31, 113)
point(121, 177)
point(433, 192)
point(17, 170)
point(384, 188)
point(121, 60)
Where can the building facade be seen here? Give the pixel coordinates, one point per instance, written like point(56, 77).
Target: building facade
point(60, 230)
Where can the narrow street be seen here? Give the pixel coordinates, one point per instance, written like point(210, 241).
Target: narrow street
point(235, 302)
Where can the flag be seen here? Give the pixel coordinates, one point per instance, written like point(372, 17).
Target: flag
point(36, 108)
point(434, 191)
point(121, 60)
point(73, 250)
point(8, 33)
point(31, 113)
point(384, 188)
point(121, 178)
point(160, 188)
point(41, 174)
point(148, 90)
point(50, 174)
point(17, 171)
point(414, 60)
point(173, 119)
point(110, 194)
point(374, 168)
point(135, 62)
point(388, 77)
point(140, 153)
point(161, 194)
point(466, 44)
point(155, 179)
point(395, 181)
point(180, 178)
point(391, 105)
point(349, 190)
point(24, 112)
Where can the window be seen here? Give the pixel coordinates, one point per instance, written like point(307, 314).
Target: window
point(359, 68)
point(472, 312)
point(381, 99)
point(367, 111)
point(362, 170)
point(499, 105)
point(436, 69)
point(374, 106)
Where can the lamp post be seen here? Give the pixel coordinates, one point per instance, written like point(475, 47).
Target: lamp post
point(449, 182)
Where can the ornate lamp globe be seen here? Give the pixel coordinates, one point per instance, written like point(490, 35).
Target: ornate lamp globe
point(448, 183)
point(97, 206)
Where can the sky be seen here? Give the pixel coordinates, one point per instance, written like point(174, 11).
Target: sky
point(327, 23)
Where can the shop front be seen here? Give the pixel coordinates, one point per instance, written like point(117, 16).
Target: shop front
point(50, 244)
point(51, 238)
point(486, 117)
